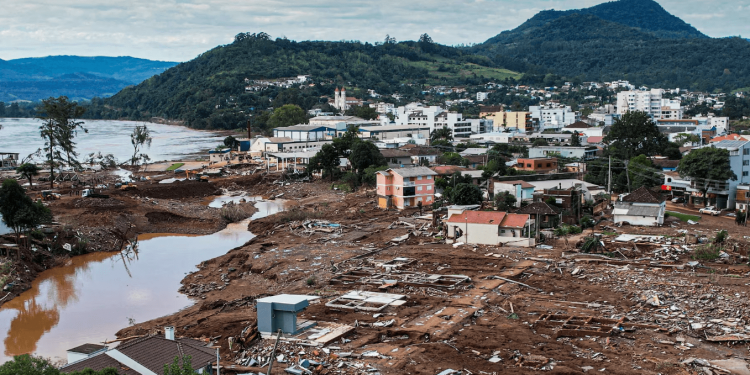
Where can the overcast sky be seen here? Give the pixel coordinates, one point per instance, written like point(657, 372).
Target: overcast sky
point(179, 30)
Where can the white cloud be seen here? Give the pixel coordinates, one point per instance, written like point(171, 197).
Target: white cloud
point(178, 30)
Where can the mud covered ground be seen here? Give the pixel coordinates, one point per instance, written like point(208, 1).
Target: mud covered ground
point(483, 326)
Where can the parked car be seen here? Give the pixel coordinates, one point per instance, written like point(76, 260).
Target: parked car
point(710, 210)
point(678, 200)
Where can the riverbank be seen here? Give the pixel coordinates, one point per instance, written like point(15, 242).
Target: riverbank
point(106, 224)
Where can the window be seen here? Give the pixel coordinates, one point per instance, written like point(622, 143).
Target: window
point(528, 165)
point(745, 173)
point(549, 165)
point(746, 151)
point(746, 162)
point(419, 177)
point(429, 177)
point(429, 187)
point(419, 188)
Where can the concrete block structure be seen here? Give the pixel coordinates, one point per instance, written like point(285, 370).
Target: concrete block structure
point(280, 312)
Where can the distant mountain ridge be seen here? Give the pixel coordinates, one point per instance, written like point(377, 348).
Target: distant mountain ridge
point(636, 40)
point(78, 77)
point(644, 15)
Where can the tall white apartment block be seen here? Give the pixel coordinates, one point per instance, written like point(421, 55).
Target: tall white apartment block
point(651, 102)
point(552, 117)
point(436, 117)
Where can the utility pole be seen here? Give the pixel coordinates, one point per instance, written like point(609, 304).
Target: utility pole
point(609, 176)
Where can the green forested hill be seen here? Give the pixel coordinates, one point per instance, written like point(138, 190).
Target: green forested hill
point(209, 91)
point(591, 48)
point(644, 15)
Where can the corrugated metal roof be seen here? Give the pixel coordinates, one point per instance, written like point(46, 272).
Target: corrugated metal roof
point(633, 210)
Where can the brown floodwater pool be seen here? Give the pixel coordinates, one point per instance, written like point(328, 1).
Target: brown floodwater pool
point(93, 296)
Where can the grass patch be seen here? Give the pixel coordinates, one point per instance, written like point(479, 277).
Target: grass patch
point(175, 166)
point(609, 233)
point(232, 213)
point(707, 252)
point(684, 217)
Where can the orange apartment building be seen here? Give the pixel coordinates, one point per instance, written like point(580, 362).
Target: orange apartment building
point(405, 187)
point(537, 165)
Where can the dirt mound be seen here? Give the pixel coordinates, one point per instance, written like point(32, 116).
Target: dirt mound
point(175, 190)
point(161, 217)
point(97, 203)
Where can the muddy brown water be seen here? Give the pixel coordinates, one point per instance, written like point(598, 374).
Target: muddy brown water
point(95, 295)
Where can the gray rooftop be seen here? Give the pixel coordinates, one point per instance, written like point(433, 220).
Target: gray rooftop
point(413, 172)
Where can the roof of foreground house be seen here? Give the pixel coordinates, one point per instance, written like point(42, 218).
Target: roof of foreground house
point(642, 195)
point(146, 356)
point(502, 219)
point(539, 208)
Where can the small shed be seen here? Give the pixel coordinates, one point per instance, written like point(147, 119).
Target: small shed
point(280, 312)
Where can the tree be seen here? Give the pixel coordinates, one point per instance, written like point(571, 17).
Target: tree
point(505, 201)
point(575, 140)
point(464, 194)
point(442, 133)
point(686, 138)
point(231, 142)
point(641, 173)
point(28, 365)
point(176, 369)
point(452, 158)
point(140, 137)
point(540, 142)
point(365, 112)
point(634, 134)
point(287, 115)
point(327, 160)
point(706, 166)
point(59, 127)
point(19, 212)
point(343, 144)
point(28, 171)
point(365, 154)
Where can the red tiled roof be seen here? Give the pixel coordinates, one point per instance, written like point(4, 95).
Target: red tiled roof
point(478, 217)
point(515, 221)
point(449, 169)
point(502, 219)
point(729, 137)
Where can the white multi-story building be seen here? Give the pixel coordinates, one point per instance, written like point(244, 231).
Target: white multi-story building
point(651, 102)
point(436, 117)
point(482, 96)
point(383, 108)
point(720, 123)
point(552, 117)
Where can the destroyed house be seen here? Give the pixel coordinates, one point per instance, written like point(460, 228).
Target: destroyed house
point(144, 356)
point(641, 207)
point(545, 215)
point(405, 187)
point(491, 228)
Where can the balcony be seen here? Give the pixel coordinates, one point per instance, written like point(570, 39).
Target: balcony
point(409, 184)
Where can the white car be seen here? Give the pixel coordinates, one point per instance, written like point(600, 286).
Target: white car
point(710, 210)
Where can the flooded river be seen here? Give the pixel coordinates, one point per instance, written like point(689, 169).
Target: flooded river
point(111, 137)
point(95, 295)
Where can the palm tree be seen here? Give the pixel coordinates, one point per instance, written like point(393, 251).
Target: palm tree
point(27, 171)
point(443, 133)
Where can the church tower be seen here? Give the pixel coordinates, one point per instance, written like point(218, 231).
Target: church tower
point(343, 99)
point(336, 99)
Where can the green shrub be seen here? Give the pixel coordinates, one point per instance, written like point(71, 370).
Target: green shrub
point(706, 252)
point(721, 236)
